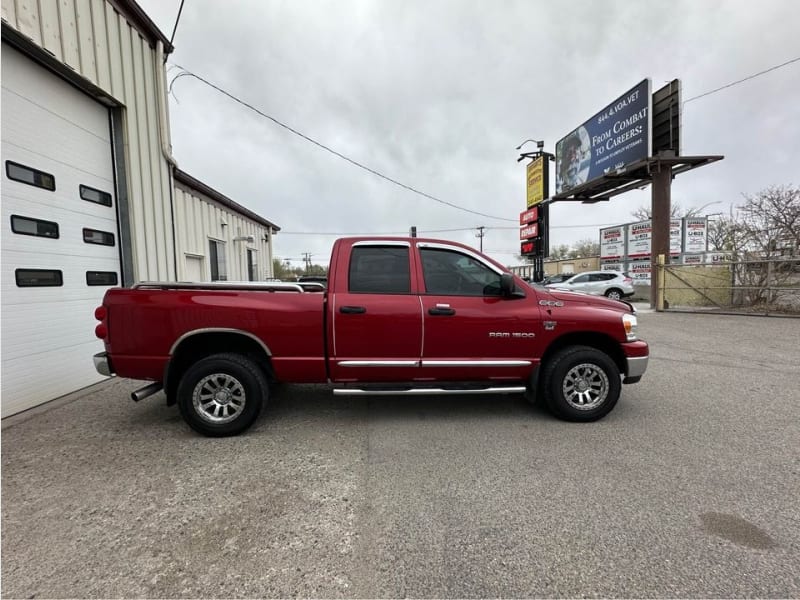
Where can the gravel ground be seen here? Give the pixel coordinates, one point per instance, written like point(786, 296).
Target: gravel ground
point(689, 488)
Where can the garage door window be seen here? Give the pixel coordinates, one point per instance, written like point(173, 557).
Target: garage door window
point(93, 236)
point(39, 278)
point(36, 227)
point(96, 196)
point(30, 176)
point(101, 278)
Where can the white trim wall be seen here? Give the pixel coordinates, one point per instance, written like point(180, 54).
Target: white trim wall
point(200, 219)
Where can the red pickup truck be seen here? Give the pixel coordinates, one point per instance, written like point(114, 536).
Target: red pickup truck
point(399, 316)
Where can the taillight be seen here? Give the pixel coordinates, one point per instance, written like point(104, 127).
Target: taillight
point(101, 331)
point(627, 280)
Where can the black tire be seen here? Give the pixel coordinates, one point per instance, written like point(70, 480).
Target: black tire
point(614, 294)
point(565, 375)
point(222, 394)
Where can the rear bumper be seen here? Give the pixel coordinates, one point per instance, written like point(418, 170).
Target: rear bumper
point(637, 355)
point(102, 364)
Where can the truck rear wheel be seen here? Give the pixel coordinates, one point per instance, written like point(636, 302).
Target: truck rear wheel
point(222, 394)
point(581, 384)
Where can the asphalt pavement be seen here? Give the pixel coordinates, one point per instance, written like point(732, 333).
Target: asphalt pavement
point(689, 488)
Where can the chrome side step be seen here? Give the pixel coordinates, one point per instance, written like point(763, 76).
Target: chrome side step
point(352, 391)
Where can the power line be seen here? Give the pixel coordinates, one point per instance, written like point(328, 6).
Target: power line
point(749, 77)
point(405, 233)
point(186, 72)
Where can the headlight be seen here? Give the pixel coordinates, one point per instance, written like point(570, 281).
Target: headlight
point(629, 323)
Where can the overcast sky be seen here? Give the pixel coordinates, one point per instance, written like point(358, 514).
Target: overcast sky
point(437, 94)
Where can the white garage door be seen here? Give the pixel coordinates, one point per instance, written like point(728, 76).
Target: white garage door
point(60, 241)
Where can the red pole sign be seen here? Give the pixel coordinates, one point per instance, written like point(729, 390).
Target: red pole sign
point(531, 231)
point(529, 216)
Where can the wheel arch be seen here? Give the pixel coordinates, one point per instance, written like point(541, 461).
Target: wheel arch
point(196, 345)
point(599, 341)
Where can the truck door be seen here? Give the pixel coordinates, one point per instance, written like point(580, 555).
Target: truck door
point(376, 315)
point(472, 332)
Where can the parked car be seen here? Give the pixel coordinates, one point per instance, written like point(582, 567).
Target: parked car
point(611, 284)
point(560, 278)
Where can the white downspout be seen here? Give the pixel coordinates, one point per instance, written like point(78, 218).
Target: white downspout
point(165, 139)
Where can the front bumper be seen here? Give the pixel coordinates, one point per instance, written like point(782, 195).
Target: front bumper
point(637, 355)
point(103, 364)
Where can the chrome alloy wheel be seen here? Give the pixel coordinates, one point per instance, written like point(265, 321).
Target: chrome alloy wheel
point(585, 386)
point(218, 398)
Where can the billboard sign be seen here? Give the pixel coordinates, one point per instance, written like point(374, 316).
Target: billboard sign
point(695, 234)
point(640, 236)
point(674, 236)
point(537, 181)
point(612, 243)
point(614, 138)
point(612, 266)
point(639, 271)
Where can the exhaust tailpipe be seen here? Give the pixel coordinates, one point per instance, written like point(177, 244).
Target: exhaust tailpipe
point(148, 390)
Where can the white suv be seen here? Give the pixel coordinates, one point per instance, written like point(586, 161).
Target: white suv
point(610, 284)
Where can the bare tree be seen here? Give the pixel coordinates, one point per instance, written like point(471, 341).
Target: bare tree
point(584, 248)
point(559, 252)
point(770, 221)
point(765, 228)
point(643, 213)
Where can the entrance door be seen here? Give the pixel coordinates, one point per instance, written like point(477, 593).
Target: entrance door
point(194, 268)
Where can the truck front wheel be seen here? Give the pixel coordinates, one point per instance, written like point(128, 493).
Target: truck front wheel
point(222, 394)
point(581, 384)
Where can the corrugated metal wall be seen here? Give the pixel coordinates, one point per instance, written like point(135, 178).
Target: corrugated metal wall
point(200, 219)
point(99, 44)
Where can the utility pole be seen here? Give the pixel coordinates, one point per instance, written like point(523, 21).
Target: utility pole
point(480, 234)
point(307, 261)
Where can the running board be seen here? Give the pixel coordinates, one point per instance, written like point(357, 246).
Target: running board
point(348, 391)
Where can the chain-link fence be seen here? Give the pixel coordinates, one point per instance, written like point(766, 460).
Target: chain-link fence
point(767, 286)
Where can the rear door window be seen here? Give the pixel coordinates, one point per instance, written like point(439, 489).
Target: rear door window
point(379, 270)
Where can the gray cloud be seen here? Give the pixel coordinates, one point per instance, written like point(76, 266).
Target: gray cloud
point(437, 94)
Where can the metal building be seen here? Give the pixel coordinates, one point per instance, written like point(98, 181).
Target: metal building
point(91, 196)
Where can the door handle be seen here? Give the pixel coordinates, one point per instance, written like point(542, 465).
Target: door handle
point(353, 310)
point(443, 311)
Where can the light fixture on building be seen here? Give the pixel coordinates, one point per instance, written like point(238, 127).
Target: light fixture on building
point(250, 239)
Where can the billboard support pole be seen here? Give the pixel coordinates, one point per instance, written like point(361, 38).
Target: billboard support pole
point(660, 211)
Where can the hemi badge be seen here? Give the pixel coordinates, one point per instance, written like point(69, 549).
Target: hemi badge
point(549, 325)
point(550, 303)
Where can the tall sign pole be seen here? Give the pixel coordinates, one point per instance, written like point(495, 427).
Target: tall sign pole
point(660, 209)
point(534, 240)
